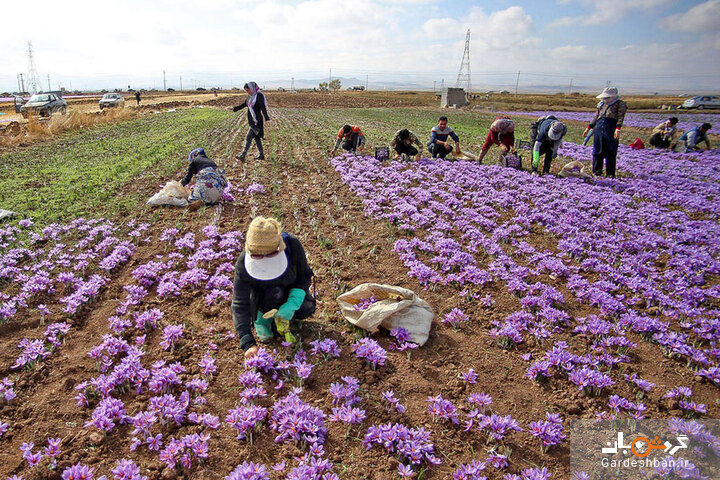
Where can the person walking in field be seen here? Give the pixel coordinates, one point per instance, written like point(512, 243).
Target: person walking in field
point(257, 109)
point(663, 136)
point(210, 183)
point(439, 145)
point(692, 138)
point(546, 141)
point(137, 97)
point(272, 286)
point(607, 123)
point(352, 139)
point(502, 132)
point(403, 145)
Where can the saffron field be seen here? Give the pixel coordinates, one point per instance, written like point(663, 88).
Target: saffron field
point(555, 300)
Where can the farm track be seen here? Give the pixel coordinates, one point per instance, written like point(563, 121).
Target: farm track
point(345, 248)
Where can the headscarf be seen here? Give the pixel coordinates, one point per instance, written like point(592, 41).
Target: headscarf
point(196, 153)
point(609, 95)
point(503, 125)
point(254, 90)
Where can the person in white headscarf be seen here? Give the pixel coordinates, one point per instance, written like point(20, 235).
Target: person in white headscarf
point(257, 109)
point(607, 123)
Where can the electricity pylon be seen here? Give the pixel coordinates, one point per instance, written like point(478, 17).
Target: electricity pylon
point(463, 79)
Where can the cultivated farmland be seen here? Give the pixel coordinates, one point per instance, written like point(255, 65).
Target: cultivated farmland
point(554, 299)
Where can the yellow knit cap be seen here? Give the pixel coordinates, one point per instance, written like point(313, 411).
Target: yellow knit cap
point(264, 236)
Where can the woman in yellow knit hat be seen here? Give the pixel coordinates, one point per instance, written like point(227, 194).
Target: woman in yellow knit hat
point(271, 288)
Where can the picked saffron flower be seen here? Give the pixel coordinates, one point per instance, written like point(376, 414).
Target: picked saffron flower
point(371, 351)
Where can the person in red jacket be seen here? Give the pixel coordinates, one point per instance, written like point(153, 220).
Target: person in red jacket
point(352, 139)
point(502, 132)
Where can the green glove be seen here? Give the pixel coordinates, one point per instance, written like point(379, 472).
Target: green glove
point(288, 309)
point(263, 328)
point(536, 159)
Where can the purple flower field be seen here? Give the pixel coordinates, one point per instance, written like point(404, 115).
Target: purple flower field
point(639, 120)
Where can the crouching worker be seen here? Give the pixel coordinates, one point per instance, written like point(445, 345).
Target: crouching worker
point(352, 139)
point(271, 288)
point(439, 145)
point(210, 183)
point(663, 136)
point(403, 143)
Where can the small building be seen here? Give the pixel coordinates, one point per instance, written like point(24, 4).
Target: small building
point(453, 97)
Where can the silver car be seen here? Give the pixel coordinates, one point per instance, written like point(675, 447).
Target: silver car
point(110, 100)
point(702, 101)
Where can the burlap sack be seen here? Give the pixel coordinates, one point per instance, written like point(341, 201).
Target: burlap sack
point(173, 193)
point(396, 307)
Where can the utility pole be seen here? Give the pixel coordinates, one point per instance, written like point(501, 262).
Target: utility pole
point(442, 85)
point(329, 79)
point(33, 77)
point(292, 84)
point(367, 87)
point(517, 82)
point(22, 83)
point(434, 86)
point(463, 78)
point(570, 88)
point(49, 87)
point(18, 80)
point(164, 84)
point(181, 83)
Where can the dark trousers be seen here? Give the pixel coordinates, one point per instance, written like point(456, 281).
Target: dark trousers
point(609, 154)
point(658, 141)
point(258, 141)
point(438, 150)
point(351, 144)
point(406, 149)
point(547, 150)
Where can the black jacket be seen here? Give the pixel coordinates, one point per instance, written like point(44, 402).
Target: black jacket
point(197, 164)
point(260, 112)
point(250, 294)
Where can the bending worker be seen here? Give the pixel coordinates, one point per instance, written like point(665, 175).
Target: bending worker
point(547, 141)
point(352, 139)
point(271, 288)
point(502, 132)
point(692, 138)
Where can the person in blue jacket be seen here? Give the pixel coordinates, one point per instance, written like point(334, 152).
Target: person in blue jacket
point(607, 123)
point(272, 286)
point(693, 137)
point(439, 146)
point(548, 139)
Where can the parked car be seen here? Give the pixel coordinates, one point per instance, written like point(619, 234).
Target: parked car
point(702, 101)
point(110, 100)
point(44, 104)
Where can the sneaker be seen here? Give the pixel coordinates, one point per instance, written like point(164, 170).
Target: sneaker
point(261, 157)
point(240, 157)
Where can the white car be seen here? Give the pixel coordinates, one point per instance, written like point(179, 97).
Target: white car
point(112, 100)
point(702, 101)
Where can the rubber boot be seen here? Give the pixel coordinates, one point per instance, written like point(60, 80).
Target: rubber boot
point(263, 328)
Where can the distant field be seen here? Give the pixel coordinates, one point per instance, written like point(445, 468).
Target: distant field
point(79, 172)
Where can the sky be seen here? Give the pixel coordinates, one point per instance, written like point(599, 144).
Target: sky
point(666, 46)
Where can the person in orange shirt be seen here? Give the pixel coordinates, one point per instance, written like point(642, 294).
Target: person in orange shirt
point(352, 139)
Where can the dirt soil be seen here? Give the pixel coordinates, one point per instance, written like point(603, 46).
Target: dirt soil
point(307, 190)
